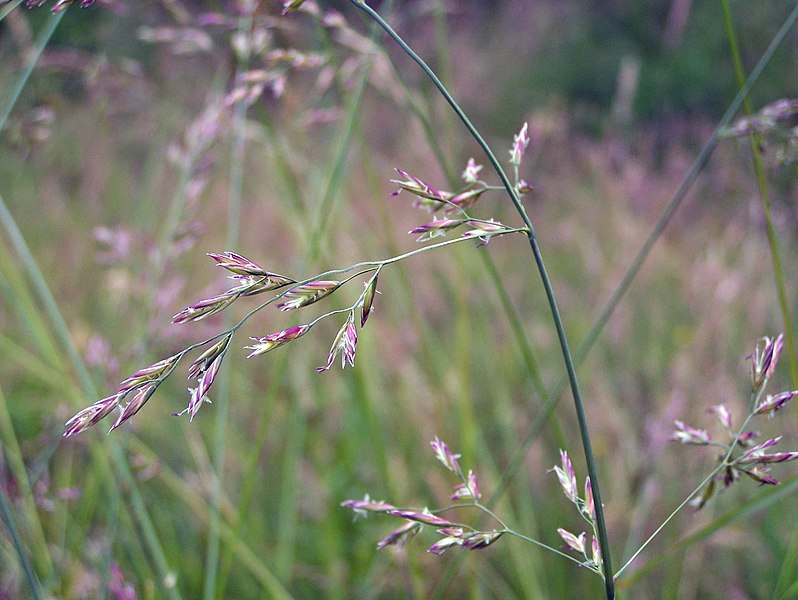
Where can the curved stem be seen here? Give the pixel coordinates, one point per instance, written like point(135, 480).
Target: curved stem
point(578, 405)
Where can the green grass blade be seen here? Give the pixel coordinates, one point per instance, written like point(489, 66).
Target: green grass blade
point(14, 91)
point(335, 176)
point(236, 193)
point(247, 557)
point(13, 457)
point(61, 332)
point(788, 577)
point(27, 568)
point(6, 10)
point(761, 181)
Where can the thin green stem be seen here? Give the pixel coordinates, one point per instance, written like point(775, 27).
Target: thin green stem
point(544, 546)
point(756, 505)
point(577, 397)
point(510, 531)
point(759, 170)
point(341, 153)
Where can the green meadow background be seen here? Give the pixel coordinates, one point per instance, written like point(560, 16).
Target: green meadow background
point(120, 167)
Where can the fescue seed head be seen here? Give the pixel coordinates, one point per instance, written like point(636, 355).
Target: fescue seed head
point(446, 456)
point(345, 343)
point(764, 359)
point(307, 293)
point(520, 144)
point(91, 415)
point(274, 340)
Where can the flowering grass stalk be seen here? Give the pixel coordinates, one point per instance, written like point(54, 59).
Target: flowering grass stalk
point(740, 455)
point(139, 387)
point(520, 143)
point(453, 533)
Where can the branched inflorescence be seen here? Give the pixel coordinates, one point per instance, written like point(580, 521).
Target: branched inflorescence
point(740, 452)
point(453, 533)
point(587, 510)
point(291, 294)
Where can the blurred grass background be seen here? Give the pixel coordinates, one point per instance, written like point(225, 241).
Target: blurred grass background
point(116, 167)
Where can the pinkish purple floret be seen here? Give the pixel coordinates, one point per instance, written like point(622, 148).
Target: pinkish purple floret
point(764, 360)
point(443, 454)
point(590, 504)
point(273, 340)
point(745, 437)
point(235, 263)
point(399, 535)
point(574, 542)
point(442, 545)
point(566, 476)
point(481, 539)
point(435, 228)
point(367, 505)
point(596, 551)
point(773, 403)
point(416, 186)
point(368, 299)
point(135, 405)
point(471, 172)
point(345, 343)
point(760, 475)
point(205, 308)
point(690, 435)
point(307, 293)
point(457, 536)
point(91, 415)
point(520, 144)
point(151, 373)
point(425, 517)
point(469, 489)
point(723, 413)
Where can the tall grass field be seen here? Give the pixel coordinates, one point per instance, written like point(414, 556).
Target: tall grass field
point(591, 326)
